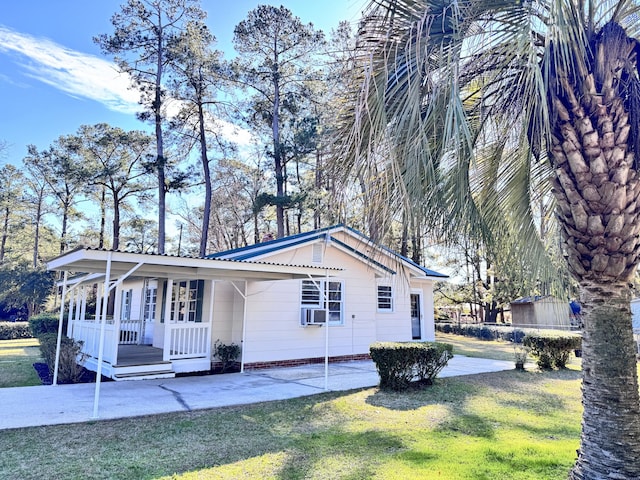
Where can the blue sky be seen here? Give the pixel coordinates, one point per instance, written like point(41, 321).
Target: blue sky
point(53, 78)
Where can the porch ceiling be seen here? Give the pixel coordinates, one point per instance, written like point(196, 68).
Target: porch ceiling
point(88, 260)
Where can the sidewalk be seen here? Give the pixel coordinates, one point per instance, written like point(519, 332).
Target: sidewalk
point(51, 405)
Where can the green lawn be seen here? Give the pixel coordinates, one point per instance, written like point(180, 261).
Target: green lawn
point(497, 350)
point(16, 362)
point(508, 425)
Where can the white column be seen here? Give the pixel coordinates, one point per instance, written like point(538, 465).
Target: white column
point(57, 362)
point(244, 326)
point(117, 313)
point(326, 329)
point(211, 300)
point(167, 321)
point(103, 321)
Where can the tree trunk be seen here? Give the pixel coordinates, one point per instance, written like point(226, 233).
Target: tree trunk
point(63, 235)
point(36, 240)
point(596, 189)
point(103, 217)
point(5, 233)
point(610, 442)
point(317, 218)
point(116, 222)
point(207, 182)
point(277, 154)
point(160, 160)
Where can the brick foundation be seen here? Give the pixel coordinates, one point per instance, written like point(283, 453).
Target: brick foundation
point(304, 361)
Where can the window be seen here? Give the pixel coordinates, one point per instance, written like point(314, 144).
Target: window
point(385, 298)
point(186, 301)
point(150, 296)
point(317, 252)
point(125, 305)
point(312, 298)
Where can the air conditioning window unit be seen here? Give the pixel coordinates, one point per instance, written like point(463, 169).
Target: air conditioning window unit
point(313, 316)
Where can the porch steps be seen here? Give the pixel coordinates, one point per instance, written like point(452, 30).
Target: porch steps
point(147, 371)
point(118, 377)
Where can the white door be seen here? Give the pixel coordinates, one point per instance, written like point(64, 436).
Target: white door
point(149, 312)
point(416, 316)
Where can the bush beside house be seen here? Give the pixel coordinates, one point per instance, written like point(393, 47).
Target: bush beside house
point(401, 364)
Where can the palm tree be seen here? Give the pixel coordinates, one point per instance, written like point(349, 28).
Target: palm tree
point(475, 110)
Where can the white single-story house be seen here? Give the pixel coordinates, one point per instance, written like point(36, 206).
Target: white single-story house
point(160, 314)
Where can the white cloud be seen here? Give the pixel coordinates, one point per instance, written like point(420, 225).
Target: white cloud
point(86, 76)
point(73, 72)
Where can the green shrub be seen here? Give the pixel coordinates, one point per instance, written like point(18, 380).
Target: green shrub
point(46, 323)
point(14, 330)
point(69, 366)
point(227, 354)
point(400, 364)
point(552, 349)
point(487, 333)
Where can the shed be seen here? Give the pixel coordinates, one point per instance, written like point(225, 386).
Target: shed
point(541, 312)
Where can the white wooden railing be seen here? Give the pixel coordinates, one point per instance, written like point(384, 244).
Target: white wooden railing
point(131, 332)
point(88, 331)
point(188, 340)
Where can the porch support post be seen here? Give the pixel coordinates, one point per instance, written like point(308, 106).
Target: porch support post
point(167, 321)
point(208, 340)
point(117, 312)
point(103, 321)
point(244, 327)
point(326, 329)
point(59, 340)
point(325, 298)
point(244, 321)
point(73, 300)
point(76, 317)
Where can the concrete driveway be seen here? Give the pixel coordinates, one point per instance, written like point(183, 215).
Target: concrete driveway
point(50, 405)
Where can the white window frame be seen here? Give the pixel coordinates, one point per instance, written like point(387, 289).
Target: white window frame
point(310, 297)
point(125, 305)
point(184, 301)
point(389, 297)
point(150, 303)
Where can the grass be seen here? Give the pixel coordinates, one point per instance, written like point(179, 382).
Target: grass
point(507, 425)
point(16, 362)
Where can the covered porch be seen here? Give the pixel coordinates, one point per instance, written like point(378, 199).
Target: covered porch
point(129, 339)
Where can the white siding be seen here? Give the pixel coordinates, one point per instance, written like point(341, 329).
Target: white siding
point(273, 330)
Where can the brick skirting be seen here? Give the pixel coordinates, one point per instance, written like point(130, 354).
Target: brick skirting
point(304, 361)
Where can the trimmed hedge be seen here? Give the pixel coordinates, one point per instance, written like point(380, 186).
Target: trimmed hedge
point(400, 364)
point(483, 332)
point(14, 330)
point(552, 349)
point(46, 323)
point(69, 367)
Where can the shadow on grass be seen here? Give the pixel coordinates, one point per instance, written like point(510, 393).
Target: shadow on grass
point(364, 451)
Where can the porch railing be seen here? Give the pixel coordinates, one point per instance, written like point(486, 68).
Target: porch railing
point(188, 340)
point(88, 331)
point(131, 332)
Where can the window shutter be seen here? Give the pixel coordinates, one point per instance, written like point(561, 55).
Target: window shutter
point(199, 297)
point(164, 300)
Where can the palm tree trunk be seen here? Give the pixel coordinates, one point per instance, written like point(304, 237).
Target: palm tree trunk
point(610, 443)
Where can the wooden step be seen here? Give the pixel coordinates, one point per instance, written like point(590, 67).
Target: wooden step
point(144, 375)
